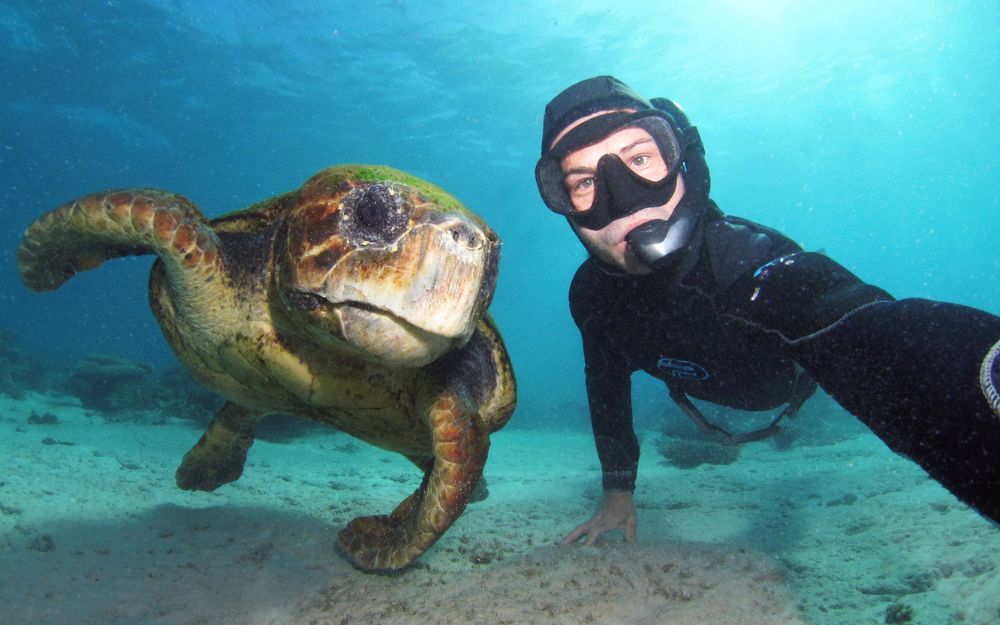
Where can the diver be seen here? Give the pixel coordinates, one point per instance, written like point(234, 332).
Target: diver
point(727, 311)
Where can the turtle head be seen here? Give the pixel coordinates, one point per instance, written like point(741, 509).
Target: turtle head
point(390, 265)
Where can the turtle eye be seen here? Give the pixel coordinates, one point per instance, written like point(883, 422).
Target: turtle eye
point(375, 214)
point(374, 208)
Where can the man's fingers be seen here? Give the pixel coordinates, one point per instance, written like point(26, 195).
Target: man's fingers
point(597, 526)
point(575, 535)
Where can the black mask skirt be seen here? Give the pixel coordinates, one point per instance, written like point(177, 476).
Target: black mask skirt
point(618, 191)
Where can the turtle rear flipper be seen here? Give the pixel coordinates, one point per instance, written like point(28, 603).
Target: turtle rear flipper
point(84, 233)
point(218, 457)
point(391, 542)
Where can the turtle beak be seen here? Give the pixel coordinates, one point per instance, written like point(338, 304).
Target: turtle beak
point(440, 278)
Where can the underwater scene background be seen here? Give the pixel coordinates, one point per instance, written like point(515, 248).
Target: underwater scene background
point(867, 130)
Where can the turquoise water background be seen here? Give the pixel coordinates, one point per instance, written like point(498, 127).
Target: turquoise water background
point(866, 129)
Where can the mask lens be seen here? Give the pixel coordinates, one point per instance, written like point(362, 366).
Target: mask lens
point(650, 161)
point(664, 148)
point(549, 177)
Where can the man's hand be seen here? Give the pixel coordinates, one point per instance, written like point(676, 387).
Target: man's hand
point(617, 511)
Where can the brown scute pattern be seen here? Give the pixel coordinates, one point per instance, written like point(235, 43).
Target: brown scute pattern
point(315, 235)
point(391, 542)
point(82, 234)
point(320, 223)
point(324, 261)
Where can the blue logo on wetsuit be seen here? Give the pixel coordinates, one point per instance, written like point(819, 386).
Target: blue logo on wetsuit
point(682, 369)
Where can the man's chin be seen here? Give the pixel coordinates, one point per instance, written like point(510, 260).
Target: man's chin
point(618, 256)
point(622, 259)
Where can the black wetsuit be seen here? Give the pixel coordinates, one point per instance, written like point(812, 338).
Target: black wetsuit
point(746, 308)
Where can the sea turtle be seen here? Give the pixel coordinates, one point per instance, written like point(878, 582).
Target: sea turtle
point(358, 301)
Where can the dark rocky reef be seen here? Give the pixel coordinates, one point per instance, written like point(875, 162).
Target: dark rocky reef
point(111, 384)
point(122, 389)
point(693, 452)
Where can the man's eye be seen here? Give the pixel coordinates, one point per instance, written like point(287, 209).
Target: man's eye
point(640, 160)
point(583, 185)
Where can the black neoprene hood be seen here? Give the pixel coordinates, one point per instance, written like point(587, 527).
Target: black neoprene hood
point(600, 93)
point(659, 243)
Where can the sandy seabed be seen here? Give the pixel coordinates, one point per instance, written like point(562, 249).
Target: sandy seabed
point(93, 531)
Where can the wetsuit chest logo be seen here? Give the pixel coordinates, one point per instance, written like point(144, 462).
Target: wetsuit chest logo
point(682, 369)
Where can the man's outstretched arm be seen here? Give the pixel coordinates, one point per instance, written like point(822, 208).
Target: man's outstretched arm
point(919, 373)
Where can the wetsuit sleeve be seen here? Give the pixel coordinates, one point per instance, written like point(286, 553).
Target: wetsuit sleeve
point(921, 374)
point(609, 393)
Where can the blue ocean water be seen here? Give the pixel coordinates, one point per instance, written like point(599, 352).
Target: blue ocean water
point(868, 130)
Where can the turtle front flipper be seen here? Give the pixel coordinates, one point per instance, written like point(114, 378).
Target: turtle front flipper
point(84, 233)
point(393, 541)
point(219, 455)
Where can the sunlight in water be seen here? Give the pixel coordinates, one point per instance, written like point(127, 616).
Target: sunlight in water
point(769, 11)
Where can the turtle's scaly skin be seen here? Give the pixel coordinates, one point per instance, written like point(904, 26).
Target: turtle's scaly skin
point(357, 301)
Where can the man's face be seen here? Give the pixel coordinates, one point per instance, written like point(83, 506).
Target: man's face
point(639, 152)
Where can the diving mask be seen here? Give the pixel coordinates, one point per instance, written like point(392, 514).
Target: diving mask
point(617, 189)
